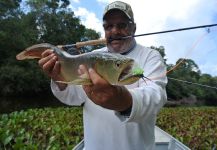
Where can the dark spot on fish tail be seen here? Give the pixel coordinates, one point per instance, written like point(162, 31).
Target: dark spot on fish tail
point(73, 51)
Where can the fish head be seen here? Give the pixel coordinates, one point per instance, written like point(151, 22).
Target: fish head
point(118, 69)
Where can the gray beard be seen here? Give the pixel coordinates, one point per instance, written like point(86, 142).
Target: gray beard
point(128, 47)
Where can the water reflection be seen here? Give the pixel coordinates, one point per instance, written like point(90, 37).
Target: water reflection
point(10, 104)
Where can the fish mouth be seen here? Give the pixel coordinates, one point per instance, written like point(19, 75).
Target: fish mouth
point(111, 39)
point(128, 75)
point(125, 72)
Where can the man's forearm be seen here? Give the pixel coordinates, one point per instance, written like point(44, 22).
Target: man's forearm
point(124, 97)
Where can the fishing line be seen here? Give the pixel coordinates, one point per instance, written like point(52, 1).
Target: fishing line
point(178, 64)
point(184, 81)
point(198, 84)
point(189, 51)
point(199, 39)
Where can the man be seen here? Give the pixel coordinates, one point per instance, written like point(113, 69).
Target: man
point(116, 117)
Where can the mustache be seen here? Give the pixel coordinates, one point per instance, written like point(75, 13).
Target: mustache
point(112, 38)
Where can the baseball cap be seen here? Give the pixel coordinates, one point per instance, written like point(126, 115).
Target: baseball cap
point(124, 7)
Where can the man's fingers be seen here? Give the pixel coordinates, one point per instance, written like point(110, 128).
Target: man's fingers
point(47, 53)
point(46, 59)
point(46, 56)
point(82, 70)
point(49, 63)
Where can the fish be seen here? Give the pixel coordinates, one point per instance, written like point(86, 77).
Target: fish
point(115, 68)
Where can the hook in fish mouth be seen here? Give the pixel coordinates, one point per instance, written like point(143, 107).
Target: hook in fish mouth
point(124, 76)
point(144, 78)
point(131, 73)
point(128, 75)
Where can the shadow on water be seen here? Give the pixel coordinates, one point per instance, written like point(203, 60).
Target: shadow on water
point(10, 104)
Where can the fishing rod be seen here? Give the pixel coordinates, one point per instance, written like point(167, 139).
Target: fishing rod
point(104, 41)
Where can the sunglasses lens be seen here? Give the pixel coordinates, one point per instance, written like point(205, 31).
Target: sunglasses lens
point(108, 26)
point(120, 26)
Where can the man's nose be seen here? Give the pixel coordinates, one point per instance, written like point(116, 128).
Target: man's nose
point(115, 29)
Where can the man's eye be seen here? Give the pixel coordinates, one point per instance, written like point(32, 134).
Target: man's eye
point(108, 26)
point(118, 64)
point(122, 25)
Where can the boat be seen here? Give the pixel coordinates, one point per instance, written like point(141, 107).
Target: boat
point(163, 141)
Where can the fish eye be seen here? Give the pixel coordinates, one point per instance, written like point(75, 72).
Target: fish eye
point(118, 64)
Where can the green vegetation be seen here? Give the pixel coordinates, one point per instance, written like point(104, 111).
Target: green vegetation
point(49, 128)
point(62, 128)
point(52, 21)
point(194, 126)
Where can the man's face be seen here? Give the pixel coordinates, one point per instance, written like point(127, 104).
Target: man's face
point(116, 24)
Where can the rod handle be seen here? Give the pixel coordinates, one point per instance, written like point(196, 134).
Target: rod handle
point(91, 42)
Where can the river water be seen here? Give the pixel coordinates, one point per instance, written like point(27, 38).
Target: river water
point(10, 104)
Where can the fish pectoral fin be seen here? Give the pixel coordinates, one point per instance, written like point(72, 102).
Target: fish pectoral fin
point(80, 81)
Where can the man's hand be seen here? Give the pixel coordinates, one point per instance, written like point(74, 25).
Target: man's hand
point(51, 67)
point(104, 94)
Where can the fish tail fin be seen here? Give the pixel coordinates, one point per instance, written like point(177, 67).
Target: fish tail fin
point(34, 51)
point(28, 55)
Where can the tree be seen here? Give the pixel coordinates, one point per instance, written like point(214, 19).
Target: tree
point(185, 69)
point(9, 8)
point(207, 94)
point(47, 21)
point(161, 50)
